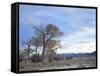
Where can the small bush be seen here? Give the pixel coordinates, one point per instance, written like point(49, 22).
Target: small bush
point(36, 58)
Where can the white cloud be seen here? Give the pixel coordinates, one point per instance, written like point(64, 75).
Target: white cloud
point(79, 41)
point(85, 33)
point(78, 47)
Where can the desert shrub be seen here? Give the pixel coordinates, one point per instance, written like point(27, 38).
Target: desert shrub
point(56, 58)
point(36, 58)
point(69, 58)
point(21, 57)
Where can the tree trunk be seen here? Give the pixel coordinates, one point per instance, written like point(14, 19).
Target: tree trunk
point(43, 53)
point(36, 49)
point(28, 52)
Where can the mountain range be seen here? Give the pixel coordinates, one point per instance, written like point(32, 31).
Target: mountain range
point(64, 55)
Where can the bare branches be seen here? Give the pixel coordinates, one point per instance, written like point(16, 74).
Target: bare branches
point(45, 37)
point(39, 29)
point(47, 33)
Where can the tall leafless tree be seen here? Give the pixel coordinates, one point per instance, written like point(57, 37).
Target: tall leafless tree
point(46, 34)
point(28, 43)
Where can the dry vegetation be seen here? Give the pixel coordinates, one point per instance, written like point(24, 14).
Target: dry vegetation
point(82, 62)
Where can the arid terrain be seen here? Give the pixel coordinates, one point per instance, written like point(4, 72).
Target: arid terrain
point(78, 62)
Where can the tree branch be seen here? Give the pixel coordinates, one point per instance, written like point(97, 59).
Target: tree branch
point(39, 30)
point(49, 39)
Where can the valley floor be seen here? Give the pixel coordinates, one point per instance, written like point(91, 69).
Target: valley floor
point(82, 62)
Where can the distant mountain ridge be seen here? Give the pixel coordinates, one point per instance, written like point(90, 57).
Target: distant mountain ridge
point(64, 55)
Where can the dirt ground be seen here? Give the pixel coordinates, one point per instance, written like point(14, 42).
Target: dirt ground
point(82, 62)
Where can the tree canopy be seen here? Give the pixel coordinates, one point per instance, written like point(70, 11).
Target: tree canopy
point(45, 37)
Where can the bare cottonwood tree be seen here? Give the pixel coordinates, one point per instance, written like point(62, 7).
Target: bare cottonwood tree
point(47, 33)
point(28, 43)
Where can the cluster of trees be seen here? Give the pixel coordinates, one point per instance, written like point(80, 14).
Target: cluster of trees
point(46, 38)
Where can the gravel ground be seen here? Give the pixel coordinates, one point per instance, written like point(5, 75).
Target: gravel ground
point(83, 62)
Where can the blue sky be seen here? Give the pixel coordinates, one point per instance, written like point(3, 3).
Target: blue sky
point(78, 25)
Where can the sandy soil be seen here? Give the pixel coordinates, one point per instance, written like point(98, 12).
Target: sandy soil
point(82, 62)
